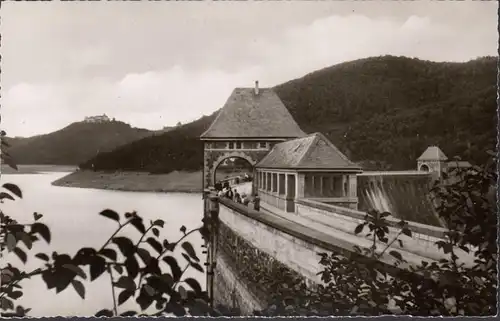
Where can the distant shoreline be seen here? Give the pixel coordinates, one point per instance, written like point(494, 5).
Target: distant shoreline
point(175, 182)
point(36, 169)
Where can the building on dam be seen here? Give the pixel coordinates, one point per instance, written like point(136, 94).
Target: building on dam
point(312, 198)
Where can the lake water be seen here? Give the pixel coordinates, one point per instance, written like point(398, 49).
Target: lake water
point(72, 215)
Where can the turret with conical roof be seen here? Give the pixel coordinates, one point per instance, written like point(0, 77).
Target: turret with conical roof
point(433, 160)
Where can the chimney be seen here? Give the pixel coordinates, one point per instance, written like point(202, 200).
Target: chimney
point(256, 87)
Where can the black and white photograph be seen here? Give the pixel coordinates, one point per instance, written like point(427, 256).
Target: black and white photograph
point(248, 158)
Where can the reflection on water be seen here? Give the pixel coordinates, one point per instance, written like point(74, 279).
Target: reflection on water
point(72, 215)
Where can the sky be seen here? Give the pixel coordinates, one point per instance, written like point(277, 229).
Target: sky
point(153, 64)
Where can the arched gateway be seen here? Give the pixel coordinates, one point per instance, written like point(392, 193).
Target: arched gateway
point(250, 123)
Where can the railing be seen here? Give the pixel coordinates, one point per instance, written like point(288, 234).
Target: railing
point(418, 228)
point(383, 173)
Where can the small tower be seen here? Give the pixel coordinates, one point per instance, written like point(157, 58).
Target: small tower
point(433, 160)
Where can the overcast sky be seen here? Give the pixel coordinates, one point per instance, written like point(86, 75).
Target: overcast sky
point(153, 64)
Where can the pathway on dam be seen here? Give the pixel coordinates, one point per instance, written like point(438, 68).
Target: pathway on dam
point(334, 229)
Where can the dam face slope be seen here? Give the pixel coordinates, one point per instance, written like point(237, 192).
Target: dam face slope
point(406, 195)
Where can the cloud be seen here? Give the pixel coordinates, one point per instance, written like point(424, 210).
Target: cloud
point(161, 96)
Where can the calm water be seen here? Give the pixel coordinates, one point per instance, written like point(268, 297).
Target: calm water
point(72, 215)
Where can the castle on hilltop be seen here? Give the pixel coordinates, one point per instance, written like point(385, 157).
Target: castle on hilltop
point(97, 119)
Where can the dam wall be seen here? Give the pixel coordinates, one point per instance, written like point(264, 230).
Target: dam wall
point(403, 194)
point(255, 261)
point(261, 256)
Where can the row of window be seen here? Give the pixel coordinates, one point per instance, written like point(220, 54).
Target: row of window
point(237, 145)
point(270, 181)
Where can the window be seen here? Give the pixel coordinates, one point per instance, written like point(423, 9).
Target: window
point(238, 145)
point(231, 145)
point(262, 145)
point(275, 182)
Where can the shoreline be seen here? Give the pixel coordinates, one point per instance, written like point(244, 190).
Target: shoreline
point(175, 182)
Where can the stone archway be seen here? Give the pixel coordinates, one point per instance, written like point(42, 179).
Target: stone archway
point(424, 168)
point(213, 158)
point(225, 156)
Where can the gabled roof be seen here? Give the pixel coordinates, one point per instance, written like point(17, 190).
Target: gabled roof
point(433, 153)
point(314, 151)
point(250, 115)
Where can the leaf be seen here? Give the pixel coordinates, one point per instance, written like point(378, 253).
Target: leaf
point(8, 161)
point(149, 290)
point(176, 270)
point(124, 296)
point(42, 256)
point(79, 288)
point(384, 214)
point(196, 266)
point(144, 300)
point(110, 214)
point(21, 254)
point(183, 229)
point(109, 253)
point(159, 223)
point(15, 295)
point(359, 228)
point(42, 230)
point(169, 246)
point(11, 242)
point(78, 270)
point(182, 292)
point(104, 313)
point(138, 224)
point(14, 189)
point(97, 267)
point(144, 255)
point(132, 266)
point(190, 251)
point(128, 313)
point(6, 304)
point(397, 255)
point(155, 244)
point(406, 231)
point(187, 257)
point(25, 237)
point(4, 195)
point(61, 283)
point(155, 232)
point(118, 268)
point(194, 285)
point(125, 282)
point(125, 245)
point(37, 216)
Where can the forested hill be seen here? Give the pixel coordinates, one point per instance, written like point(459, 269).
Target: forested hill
point(74, 143)
point(391, 108)
point(382, 109)
point(177, 149)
